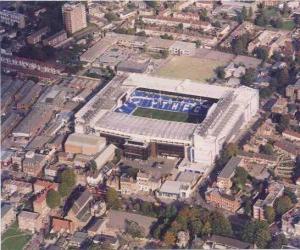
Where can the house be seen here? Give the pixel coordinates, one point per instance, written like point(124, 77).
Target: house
point(293, 91)
point(103, 239)
point(146, 182)
point(275, 190)
point(288, 148)
point(291, 223)
point(128, 185)
point(12, 186)
point(60, 225)
point(80, 212)
point(33, 164)
point(116, 221)
point(222, 200)
point(78, 239)
point(224, 178)
point(30, 221)
point(42, 185)
point(291, 135)
point(8, 216)
point(222, 242)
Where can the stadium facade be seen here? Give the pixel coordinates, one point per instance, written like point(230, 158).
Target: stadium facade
point(223, 111)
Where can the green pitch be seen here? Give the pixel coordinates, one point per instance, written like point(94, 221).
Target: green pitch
point(161, 114)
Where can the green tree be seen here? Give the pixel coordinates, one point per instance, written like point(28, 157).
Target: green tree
point(112, 199)
point(53, 199)
point(68, 176)
point(278, 241)
point(240, 177)
point(132, 228)
point(257, 232)
point(277, 23)
point(249, 77)
point(266, 149)
point(265, 92)
point(284, 123)
point(196, 227)
point(165, 53)
point(198, 43)
point(261, 53)
point(206, 229)
point(65, 189)
point(291, 194)
point(269, 214)
point(110, 16)
point(282, 205)
point(220, 72)
point(220, 225)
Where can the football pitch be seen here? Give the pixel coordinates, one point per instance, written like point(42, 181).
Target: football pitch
point(161, 114)
point(182, 67)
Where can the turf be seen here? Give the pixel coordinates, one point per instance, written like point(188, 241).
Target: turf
point(161, 114)
point(14, 239)
point(182, 67)
point(288, 25)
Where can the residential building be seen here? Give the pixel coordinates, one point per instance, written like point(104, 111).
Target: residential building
point(74, 16)
point(80, 212)
point(29, 221)
point(128, 185)
point(37, 36)
point(291, 135)
point(293, 91)
point(221, 242)
point(60, 225)
point(288, 148)
point(11, 18)
point(12, 186)
point(224, 178)
point(55, 39)
point(291, 223)
point(146, 182)
point(222, 200)
point(8, 216)
point(33, 164)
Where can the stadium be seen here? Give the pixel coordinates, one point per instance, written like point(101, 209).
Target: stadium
point(149, 116)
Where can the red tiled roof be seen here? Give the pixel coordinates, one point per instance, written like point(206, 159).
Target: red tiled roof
point(59, 224)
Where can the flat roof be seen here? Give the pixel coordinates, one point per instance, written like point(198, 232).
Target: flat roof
point(145, 127)
point(230, 167)
point(83, 139)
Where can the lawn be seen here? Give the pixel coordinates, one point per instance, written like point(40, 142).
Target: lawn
point(182, 67)
point(14, 239)
point(161, 114)
point(288, 25)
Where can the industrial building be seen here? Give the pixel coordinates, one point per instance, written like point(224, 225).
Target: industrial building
point(220, 113)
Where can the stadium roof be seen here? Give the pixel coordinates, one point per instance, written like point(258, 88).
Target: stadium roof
point(145, 127)
point(178, 86)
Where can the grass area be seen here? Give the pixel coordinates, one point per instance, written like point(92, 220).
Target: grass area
point(288, 25)
point(161, 114)
point(182, 67)
point(14, 238)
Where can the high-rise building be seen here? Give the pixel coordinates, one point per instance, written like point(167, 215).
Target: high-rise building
point(74, 16)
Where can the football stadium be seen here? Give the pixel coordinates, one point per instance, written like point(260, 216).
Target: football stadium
point(149, 116)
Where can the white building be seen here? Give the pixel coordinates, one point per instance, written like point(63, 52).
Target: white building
point(74, 15)
point(197, 143)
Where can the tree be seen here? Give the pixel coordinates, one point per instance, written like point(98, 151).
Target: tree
point(68, 176)
point(257, 232)
point(283, 204)
point(283, 123)
point(240, 177)
point(112, 199)
point(265, 92)
point(198, 43)
point(220, 72)
point(278, 241)
point(64, 189)
point(261, 53)
point(269, 214)
point(266, 149)
point(206, 229)
point(92, 166)
point(110, 16)
point(220, 225)
point(152, 4)
point(244, 14)
point(196, 227)
point(165, 53)
point(291, 194)
point(250, 13)
point(169, 239)
point(132, 228)
point(249, 77)
point(53, 199)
